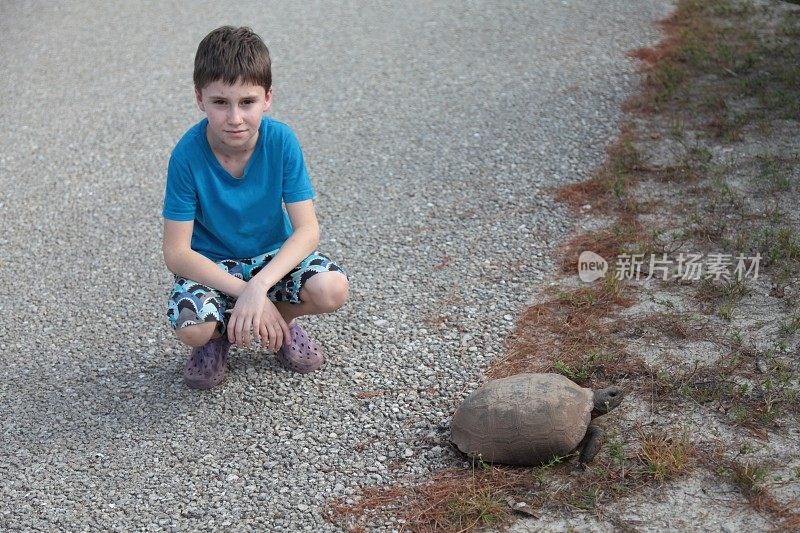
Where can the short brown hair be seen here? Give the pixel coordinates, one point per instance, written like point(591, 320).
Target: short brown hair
point(230, 54)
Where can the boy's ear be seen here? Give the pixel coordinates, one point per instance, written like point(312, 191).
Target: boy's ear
point(199, 97)
point(268, 100)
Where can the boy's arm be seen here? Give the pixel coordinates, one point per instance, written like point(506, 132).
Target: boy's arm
point(183, 261)
point(252, 307)
point(303, 240)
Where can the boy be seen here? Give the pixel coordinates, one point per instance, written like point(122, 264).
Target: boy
point(240, 231)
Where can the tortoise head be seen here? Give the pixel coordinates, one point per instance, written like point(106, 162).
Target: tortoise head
point(606, 399)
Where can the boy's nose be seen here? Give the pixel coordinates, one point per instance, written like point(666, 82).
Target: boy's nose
point(235, 116)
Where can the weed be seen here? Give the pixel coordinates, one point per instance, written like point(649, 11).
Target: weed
point(778, 244)
point(453, 499)
point(618, 187)
point(745, 448)
point(676, 128)
point(741, 244)
point(480, 508)
point(735, 288)
point(701, 154)
point(727, 310)
point(732, 7)
point(725, 195)
point(616, 450)
point(668, 77)
point(540, 471)
point(789, 28)
point(773, 173)
point(749, 477)
point(579, 374)
point(666, 303)
point(665, 457)
point(480, 463)
point(586, 498)
point(740, 414)
point(751, 480)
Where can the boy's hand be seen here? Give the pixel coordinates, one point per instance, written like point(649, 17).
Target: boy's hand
point(246, 315)
point(273, 330)
point(254, 313)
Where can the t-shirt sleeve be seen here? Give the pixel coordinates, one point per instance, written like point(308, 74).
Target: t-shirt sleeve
point(296, 181)
point(180, 197)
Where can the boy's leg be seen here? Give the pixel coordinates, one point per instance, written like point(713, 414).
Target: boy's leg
point(196, 312)
point(324, 292)
point(198, 334)
point(317, 285)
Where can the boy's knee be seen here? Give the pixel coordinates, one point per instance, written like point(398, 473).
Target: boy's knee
point(197, 334)
point(330, 295)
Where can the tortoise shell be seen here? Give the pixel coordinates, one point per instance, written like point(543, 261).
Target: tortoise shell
point(524, 419)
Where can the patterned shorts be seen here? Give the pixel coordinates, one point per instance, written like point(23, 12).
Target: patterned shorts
point(193, 303)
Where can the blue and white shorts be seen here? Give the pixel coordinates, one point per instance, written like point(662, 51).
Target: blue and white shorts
point(194, 303)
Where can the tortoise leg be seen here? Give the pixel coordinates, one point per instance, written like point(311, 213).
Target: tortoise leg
point(591, 443)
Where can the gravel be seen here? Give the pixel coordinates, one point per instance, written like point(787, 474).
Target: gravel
point(432, 131)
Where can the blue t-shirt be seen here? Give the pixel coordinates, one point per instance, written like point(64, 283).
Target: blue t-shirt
point(237, 218)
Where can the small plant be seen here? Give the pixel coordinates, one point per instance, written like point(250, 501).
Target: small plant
point(480, 463)
point(540, 471)
point(732, 7)
point(586, 498)
point(772, 173)
point(618, 187)
point(666, 303)
point(598, 356)
point(612, 286)
point(479, 508)
point(669, 77)
point(740, 414)
point(778, 244)
point(749, 477)
point(701, 153)
point(575, 374)
point(616, 450)
point(676, 128)
point(727, 310)
point(665, 457)
point(736, 288)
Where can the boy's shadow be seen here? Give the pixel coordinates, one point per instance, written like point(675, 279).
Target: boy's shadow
point(141, 401)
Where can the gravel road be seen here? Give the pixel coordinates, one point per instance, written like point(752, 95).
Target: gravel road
point(431, 130)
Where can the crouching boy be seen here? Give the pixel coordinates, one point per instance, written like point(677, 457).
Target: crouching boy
point(240, 230)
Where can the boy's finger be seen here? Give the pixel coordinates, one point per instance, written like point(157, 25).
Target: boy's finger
point(262, 329)
point(246, 333)
point(251, 332)
point(232, 330)
point(271, 343)
point(240, 333)
point(287, 334)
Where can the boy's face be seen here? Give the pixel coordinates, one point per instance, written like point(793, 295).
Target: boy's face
point(234, 114)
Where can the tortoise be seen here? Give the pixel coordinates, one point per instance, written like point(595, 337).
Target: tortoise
point(529, 419)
